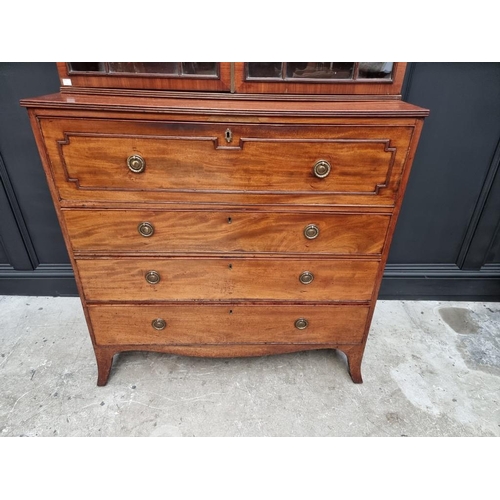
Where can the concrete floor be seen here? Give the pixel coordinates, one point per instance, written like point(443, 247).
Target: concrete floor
point(430, 369)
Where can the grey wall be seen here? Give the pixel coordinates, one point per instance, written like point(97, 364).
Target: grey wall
point(447, 242)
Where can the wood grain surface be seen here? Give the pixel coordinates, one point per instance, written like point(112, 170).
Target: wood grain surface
point(143, 81)
point(228, 215)
point(220, 279)
point(98, 82)
point(194, 162)
point(229, 323)
point(201, 163)
point(112, 231)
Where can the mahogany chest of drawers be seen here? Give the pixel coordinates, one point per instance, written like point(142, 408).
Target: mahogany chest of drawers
point(215, 226)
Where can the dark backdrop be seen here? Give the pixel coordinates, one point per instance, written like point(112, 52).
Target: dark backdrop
point(447, 241)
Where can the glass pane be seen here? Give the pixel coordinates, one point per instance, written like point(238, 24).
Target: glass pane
point(326, 70)
point(265, 70)
point(199, 68)
point(375, 69)
point(164, 68)
point(86, 66)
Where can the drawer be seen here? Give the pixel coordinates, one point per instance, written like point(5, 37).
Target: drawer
point(136, 161)
point(116, 231)
point(219, 279)
point(227, 324)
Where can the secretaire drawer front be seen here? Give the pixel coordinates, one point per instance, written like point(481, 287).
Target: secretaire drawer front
point(115, 231)
point(146, 162)
point(219, 279)
point(231, 323)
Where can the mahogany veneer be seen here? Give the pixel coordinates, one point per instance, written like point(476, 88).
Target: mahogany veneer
point(225, 231)
point(228, 324)
point(226, 225)
point(228, 278)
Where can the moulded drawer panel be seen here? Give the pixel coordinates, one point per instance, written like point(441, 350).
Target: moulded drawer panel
point(195, 161)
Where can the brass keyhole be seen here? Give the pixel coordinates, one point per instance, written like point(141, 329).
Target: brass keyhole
point(228, 135)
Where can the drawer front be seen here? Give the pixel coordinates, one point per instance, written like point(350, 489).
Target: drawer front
point(219, 279)
point(227, 324)
point(115, 231)
point(357, 165)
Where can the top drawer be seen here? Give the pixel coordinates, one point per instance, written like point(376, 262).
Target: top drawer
point(136, 161)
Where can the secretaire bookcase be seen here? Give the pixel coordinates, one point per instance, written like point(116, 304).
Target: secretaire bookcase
point(227, 209)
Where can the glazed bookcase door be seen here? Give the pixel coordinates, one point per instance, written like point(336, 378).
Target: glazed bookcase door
point(358, 78)
point(191, 76)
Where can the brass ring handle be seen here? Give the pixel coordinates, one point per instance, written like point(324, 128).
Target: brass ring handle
point(152, 277)
point(146, 229)
point(311, 231)
point(306, 277)
point(136, 164)
point(301, 324)
point(322, 169)
point(159, 324)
